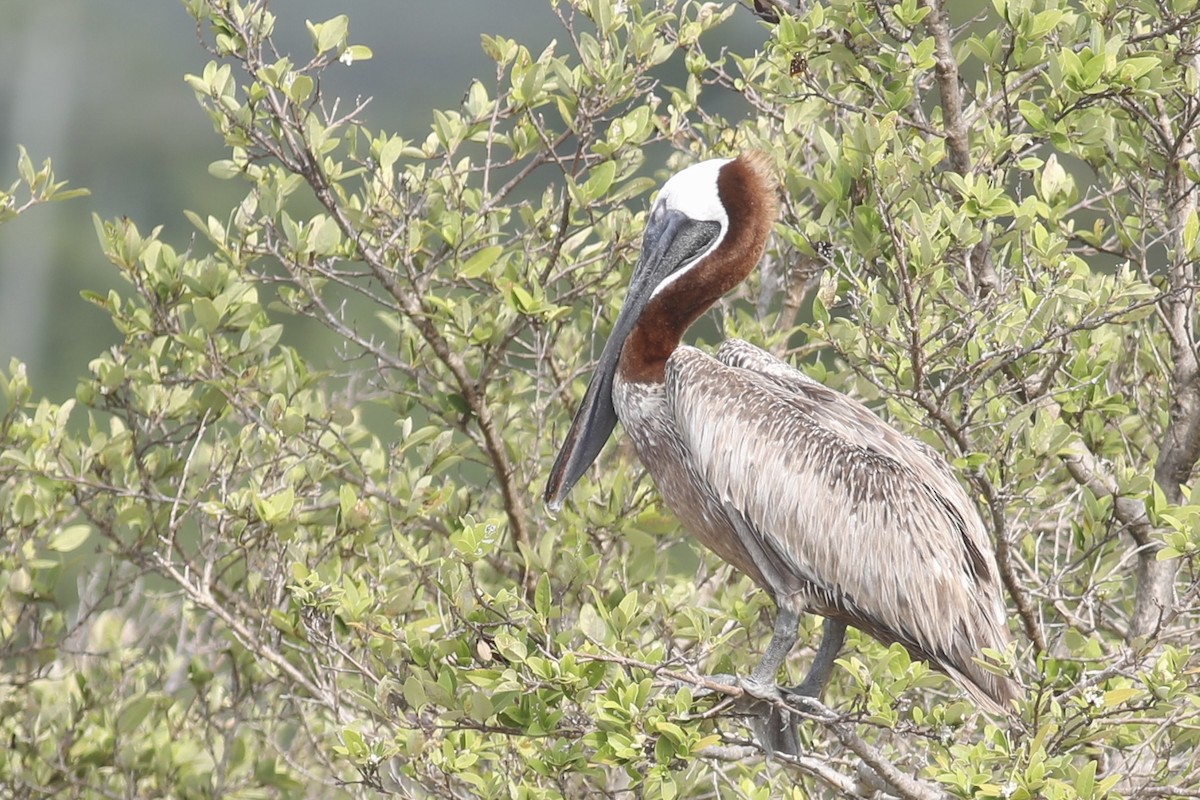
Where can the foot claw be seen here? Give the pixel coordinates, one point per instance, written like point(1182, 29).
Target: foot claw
point(760, 690)
point(774, 727)
point(798, 695)
point(721, 679)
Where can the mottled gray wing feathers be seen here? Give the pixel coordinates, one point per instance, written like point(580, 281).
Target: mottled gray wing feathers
point(859, 425)
point(839, 502)
point(850, 417)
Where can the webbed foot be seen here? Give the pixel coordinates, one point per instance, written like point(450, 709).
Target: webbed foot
point(775, 729)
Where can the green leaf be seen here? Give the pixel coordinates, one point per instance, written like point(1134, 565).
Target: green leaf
point(1115, 697)
point(25, 166)
point(1134, 68)
point(347, 498)
point(1054, 180)
point(134, 712)
point(1191, 227)
point(300, 88)
point(1167, 554)
point(524, 300)
point(330, 34)
point(1045, 21)
point(324, 236)
point(354, 743)
point(224, 169)
point(70, 538)
point(1033, 114)
point(390, 153)
point(600, 177)
point(355, 53)
point(206, 314)
point(541, 597)
point(280, 504)
point(1085, 781)
point(481, 261)
point(414, 692)
point(282, 622)
point(68, 194)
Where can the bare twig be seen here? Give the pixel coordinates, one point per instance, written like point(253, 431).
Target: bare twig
point(905, 785)
point(202, 597)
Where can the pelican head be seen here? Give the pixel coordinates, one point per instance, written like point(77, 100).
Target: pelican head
point(706, 231)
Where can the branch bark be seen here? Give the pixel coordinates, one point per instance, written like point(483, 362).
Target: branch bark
point(981, 272)
point(291, 145)
point(1180, 447)
point(904, 785)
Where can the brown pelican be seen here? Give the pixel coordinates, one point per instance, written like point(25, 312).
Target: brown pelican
point(825, 506)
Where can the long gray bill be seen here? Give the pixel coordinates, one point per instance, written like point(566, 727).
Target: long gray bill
point(671, 240)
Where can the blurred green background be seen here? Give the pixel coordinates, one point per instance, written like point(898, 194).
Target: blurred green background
point(98, 88)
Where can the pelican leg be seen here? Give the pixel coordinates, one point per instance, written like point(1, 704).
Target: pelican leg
point(833, 634)
point(761, 683)
point(775, 730)
point(787, 622)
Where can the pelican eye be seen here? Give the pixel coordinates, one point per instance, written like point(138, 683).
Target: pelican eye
point(692, 240)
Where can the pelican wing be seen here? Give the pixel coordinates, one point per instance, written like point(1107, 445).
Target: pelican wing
point(848, 416)
point(869, 524)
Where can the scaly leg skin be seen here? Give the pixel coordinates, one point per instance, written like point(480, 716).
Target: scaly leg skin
point(833, 634)
point(776, 729)
point(761, 683)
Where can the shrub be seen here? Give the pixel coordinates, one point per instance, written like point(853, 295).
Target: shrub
point(233, 570)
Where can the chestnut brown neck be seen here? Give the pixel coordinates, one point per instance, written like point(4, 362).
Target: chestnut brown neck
point(747, 193)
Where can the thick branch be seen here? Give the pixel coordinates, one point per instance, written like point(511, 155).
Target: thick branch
point(1180, 447)
point(946, 70)
point(954, 124)
point(844, 785)
point(1088, 472)
point(201, 596)
point(905, 785)
point(1154, 579)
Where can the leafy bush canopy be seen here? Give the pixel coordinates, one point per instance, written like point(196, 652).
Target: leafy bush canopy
point(235, 565)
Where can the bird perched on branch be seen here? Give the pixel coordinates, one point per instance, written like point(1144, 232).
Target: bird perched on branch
point(825, 506)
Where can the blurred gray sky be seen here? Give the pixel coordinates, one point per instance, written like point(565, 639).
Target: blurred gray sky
point(98, 88)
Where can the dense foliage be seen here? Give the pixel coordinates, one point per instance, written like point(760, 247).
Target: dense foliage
point(235, 568)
